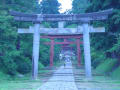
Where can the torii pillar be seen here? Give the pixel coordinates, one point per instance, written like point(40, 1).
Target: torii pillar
point(87, 55)
point(51, 52)
point(78, 51)
point(35, 56)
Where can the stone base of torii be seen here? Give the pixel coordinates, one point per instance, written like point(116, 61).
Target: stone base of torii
point(65, 37)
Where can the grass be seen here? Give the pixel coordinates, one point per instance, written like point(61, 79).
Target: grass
point(24, 83)
point(106, 66)
point(97, 82)
point(15, 85)
point(116, 73)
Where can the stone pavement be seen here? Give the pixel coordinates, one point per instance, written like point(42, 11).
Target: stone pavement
point(62, 79)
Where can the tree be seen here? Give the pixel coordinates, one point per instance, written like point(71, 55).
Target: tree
point(79, 6)
point(15, 49)
point(49, 7)
point(109, 43)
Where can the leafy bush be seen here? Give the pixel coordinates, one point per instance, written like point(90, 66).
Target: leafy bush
point(40, 65)
point(23, 65)
point(8, 65)
point(16, 50)
point(106, 66)
point(97, 58)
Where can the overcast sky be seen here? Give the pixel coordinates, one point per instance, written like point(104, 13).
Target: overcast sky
point(65, 5)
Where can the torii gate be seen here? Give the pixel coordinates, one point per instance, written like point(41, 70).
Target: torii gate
point(84, 29)
point(67, 47)
point(59, 31)
point(65, 37)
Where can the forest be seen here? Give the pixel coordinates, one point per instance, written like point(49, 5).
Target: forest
point(16, 50)
point(15, 53)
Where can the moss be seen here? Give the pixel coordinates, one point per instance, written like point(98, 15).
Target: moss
point(106, 67)
point(116, 73)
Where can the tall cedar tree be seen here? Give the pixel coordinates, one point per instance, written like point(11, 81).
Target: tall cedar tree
point(49, 6)
point(109, 42)
point(79, 6)
point(15, 49)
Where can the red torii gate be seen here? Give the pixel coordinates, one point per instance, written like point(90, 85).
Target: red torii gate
point(65, 42)
point(67, 47)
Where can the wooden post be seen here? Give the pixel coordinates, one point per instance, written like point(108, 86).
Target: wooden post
point(51, 52)
point(86, 40)
point(36, 43)
point(78, 51)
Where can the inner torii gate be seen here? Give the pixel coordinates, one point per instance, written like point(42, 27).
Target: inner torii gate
point(65, 37)
point(67, 47)
point(84, 29)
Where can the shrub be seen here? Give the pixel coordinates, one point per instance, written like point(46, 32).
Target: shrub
point(97, 57)
point(8, 66)
point(23, 65)
point(116, 73)
point(106, 66)
point(40, 65)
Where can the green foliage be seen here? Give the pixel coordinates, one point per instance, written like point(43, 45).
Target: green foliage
point(23, 64)
point(4, 76)
point(7, 44)
point(16, 50)
point(106, 45)
point(72, 26)
point(40, 65)
point(10, 61)
point(79, 6)
point(106, 66)
point(116, 73)
point(49, 7)
point(116, 17)
point(116, 47)
point(44, 55)
point(97, 58)
point(57, 52)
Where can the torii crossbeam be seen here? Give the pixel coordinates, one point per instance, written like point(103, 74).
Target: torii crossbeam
point(64, 31)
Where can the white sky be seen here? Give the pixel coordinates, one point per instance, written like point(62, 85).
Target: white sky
point(65, 5)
